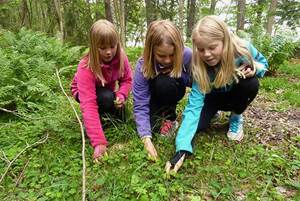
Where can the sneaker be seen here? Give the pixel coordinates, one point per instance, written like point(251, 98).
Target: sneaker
point(168, 127)
point(235, 131)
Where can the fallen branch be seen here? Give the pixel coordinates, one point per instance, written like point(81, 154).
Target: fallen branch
point(82, 136)
point(15, 113)
point(44, 139)
point(22, 173)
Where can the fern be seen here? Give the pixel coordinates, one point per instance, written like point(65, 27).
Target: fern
point(29, 60)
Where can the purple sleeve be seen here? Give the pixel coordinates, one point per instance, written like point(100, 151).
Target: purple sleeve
point(141, 101)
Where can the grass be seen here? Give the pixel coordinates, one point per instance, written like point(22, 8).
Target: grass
point(218, 170)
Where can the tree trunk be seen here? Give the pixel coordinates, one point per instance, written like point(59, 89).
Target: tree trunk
point(122, 23)
point(25, 14)
point(271, 15)
point(181, 7)
point(108, 11)
point(241, 5)
point(212, 8)
point(191, 8)
point(59, 18)
point(150, 11)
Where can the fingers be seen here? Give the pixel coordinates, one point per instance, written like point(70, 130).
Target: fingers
point(99, 152)
point(179, 163)
point(175, 163)
point(98, 159)
point(246, 71)
point(152, 153)
point(168, 167)
point(118, 102)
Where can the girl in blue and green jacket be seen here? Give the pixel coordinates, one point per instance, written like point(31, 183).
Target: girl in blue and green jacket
point(225, 71)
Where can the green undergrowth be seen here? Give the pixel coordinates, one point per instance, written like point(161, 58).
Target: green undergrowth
point(218, 169)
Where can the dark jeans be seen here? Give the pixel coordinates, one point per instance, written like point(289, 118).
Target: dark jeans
point(166, 92)
point(105, 101)
point(236, 100)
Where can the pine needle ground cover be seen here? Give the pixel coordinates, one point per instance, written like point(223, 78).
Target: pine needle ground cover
point(40, 140)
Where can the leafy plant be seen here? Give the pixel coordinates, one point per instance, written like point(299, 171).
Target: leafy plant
point(28, 62)
point(276, 49)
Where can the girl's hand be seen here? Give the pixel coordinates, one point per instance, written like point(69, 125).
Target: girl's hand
point(247, 70)
point(152, 154)
point(99, 152)
point(175, 163)
point(119, 102)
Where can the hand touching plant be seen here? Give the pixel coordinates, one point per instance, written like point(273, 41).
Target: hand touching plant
point(99, 152)
point(119, 102)
point(152, 154)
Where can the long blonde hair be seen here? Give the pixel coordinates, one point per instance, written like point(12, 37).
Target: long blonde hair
point(104, 33)
point(159, 32)
point(213, 28)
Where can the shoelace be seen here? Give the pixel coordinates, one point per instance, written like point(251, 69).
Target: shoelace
point(234, 124)
point(167, 125)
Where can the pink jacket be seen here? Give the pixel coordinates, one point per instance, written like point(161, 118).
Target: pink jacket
point(84, 83)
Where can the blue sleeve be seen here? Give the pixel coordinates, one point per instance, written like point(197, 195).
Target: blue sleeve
point(258, 57)
point(191, 116)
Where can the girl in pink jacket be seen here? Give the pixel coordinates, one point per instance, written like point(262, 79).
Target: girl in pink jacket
point(94, 84)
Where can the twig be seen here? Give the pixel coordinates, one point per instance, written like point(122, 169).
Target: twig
point(82, 137)
point(65, 67)
point(21, 152)
point(15, 113)
point(22, 116)
point(22, 173)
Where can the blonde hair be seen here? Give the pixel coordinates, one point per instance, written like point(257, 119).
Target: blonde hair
point(103, 33)
point(213, 28)
point(159, 32)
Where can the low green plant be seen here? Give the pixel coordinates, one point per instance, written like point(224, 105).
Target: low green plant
point(277, 49)
point(29, 60)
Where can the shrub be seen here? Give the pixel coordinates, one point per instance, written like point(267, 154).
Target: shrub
point(28, 62)
point(277, 49)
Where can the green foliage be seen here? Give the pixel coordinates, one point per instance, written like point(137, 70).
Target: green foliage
point(285, 88)
point(289, 11)
point(218, 170)
point(29, 60)
point(134, 54)
point(277, 49)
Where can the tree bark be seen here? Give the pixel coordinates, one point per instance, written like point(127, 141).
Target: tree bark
point(60, 18)
point(181, 7)
point(122, 23)
point(241, 5)
point(212, 8)
point(271, 16)
point(25, 14)
point(108, 11)
point(191, 8)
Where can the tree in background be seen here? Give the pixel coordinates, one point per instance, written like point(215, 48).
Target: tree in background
point(271, 17)
point(240, 22)
point(289, 12)
point(108, 11)
point(150, 11)
point(190, 20)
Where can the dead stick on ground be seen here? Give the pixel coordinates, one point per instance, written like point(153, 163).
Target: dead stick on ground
point(15, 113)
point(22, 173)
point(21, 152)
point(82, 136)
